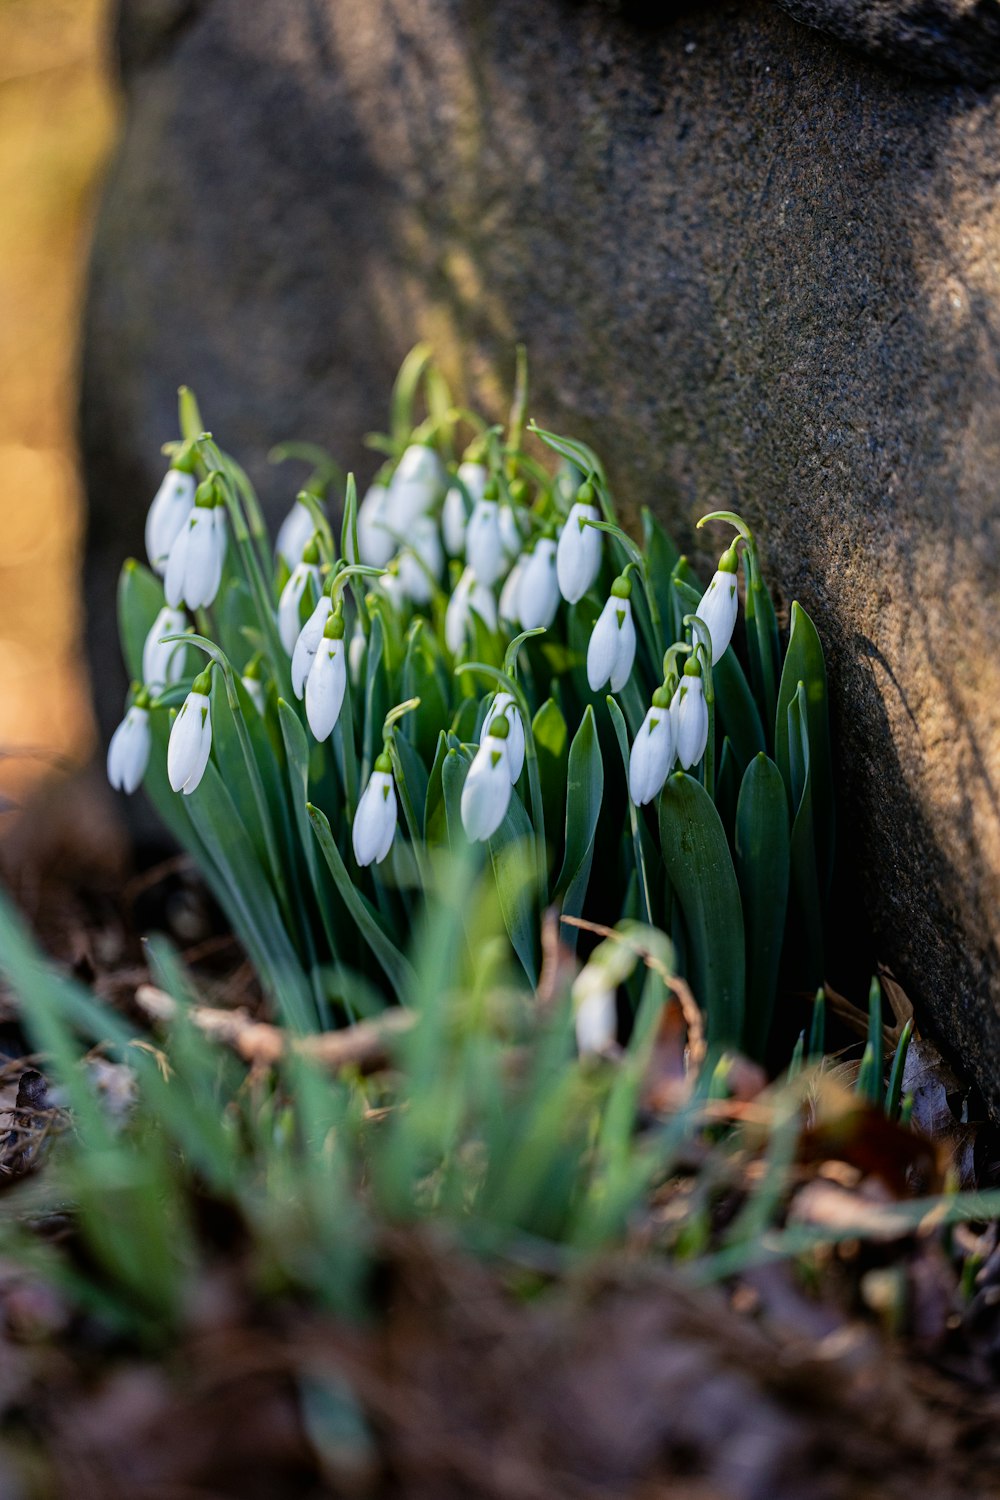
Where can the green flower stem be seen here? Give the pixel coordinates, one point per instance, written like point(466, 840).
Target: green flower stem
point(759, 611)
point(519, 404)
point(344, 748)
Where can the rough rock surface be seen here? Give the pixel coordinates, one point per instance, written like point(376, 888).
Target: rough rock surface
point(760, 268)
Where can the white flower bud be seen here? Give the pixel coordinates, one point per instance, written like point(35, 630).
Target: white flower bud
point(327, 682)
point(596, 1021)
point(487, 790)
point(128, 752)
point(356, 655)
point(415, 486)
point(289, 605)
point(652, 752)
point(719, 605)
point(255, 691)
point(538, 590)
point(163, 661)
point(375, 543)
point(690, 715)
point(510, 533)
point(508, 607)
point(454, 518)
point(611, 652)
point(305, 647)
point(375, 820)
point(483, 546)
point(421, 560)
point(171, 507)
point(578, 556)
point(294, 534)
point(190, 743)
point(469, 596)
point(194, 568)
point(504, 706)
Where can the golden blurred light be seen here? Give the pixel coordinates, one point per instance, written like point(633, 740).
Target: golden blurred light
point(57, 116)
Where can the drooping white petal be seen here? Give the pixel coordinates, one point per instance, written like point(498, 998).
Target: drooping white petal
point(504, 706)
point(508, 608)
point(308, 640)
point(487, 790)
point(415, 486)
point(170, 509)
point(510, 532)
point(294, 534)
point(578, 556)
point(690, 715)
point(289, 620)
point(538, 591)
point(375, 820)
point(652, 756)
point(483, 546)
point(163, 661)
point(718, 608)
point(375, 544)
point(611, 651)
point(453, 513)
point(421, 560)
point(596, 1021)
point(325, 687)
point(194, 568)
point(469, 596)
point(128, 752)
point(190, 743)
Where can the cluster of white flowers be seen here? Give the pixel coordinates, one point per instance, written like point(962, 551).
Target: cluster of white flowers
point(510, 570)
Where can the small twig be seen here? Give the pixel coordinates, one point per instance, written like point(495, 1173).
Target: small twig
point(366, 1045)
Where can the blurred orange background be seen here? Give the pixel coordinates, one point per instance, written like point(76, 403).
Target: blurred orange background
point(57, 124)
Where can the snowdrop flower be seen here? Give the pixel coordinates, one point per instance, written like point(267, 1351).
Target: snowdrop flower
point(375, 542)
point(595, 1017)
point(251, 680)
point(128, 752)
point(510, 533)
point(487, 789)
point(653, 751)
point(690, 715)
point(190, 743)
point(375, 820)
point(172, 504)
point(508, 605)
point(453, 513)
point(163, 661)
point(504, 705)
point(194, 567)
point(719, 604)
point(304, 573)
point(483, 545)
point(327, 680)
point(578, 556)
point(611, 652)
point(307, 644)
point(469, 595)
point(538, 590)
point(421, 560)
point(294, 534)
point(414, 487)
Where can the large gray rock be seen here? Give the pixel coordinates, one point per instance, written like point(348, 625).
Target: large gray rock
point(756, 267)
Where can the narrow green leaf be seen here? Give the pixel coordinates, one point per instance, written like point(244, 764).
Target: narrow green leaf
point(803, 958)
point(636, 827)
point(700, 867)
point(512, 854)
point(762, 869)
point(140, 599)
point(395, 967)
point(584, 795)
point(552, 744)
point(804, 662)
